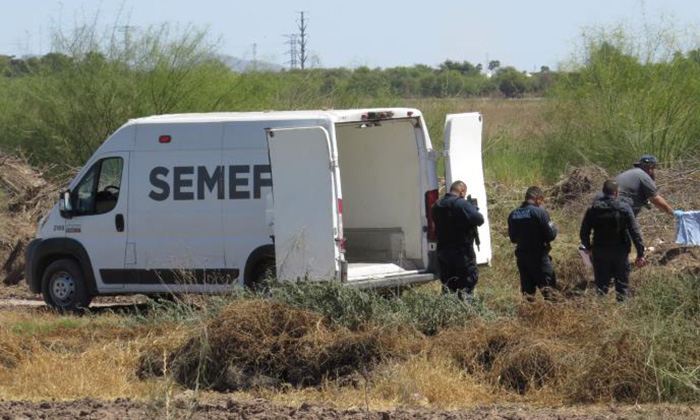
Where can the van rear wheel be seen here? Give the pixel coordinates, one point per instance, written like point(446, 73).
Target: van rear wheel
point(263, 274)
point(63, 286)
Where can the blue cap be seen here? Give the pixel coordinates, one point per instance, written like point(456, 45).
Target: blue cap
point(647, 161)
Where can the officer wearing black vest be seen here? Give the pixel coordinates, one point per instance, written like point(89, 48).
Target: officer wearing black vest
point(531, 230)
point(613, 224)
point(456, 221)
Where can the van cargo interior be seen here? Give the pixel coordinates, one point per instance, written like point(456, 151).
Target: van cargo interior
point(381, 178)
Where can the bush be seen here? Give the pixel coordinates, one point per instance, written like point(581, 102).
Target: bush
point(623, 100)
point(425, 311)
point(262, 343)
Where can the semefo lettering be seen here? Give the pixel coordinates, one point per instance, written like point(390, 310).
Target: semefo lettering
point(190, 182)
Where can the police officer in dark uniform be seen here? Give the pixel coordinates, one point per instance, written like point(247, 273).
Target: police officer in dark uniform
point(456, 221)
point(530, 228)
point(613, 224)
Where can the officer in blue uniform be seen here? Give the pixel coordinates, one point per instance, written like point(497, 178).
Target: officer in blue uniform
point(531, 230)
point(613, 224)
point(456, 222)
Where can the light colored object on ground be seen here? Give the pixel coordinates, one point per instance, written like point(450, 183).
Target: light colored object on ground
point(688, 228)
point(585, 257)
point(195, 192)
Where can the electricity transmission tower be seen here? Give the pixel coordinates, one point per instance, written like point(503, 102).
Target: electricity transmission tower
point(255, 56)
point(293, 42)
point(127, 31)
point(303, 39)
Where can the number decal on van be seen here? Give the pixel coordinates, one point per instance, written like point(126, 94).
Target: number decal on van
point(73, 229)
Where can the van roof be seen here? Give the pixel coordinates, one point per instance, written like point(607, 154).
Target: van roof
point(332, 114)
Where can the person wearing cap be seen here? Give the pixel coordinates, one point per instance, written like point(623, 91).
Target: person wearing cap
point(530, 228)
point(637, 186)
point(614, 228)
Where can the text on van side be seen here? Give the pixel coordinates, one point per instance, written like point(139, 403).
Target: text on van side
point(183, 181)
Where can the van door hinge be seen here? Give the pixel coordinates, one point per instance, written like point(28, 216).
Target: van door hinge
point(334, 164)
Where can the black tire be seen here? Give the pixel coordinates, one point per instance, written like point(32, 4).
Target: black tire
point(63, 286)
point(263, 274)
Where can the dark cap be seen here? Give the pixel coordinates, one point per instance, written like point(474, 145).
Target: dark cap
point(646, 161)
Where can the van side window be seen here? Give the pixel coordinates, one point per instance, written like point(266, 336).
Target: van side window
point(84, 193)
point(98, 191)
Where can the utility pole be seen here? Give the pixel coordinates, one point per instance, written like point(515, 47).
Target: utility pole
point(292, 41)
point(255, 56)
point(303, 39)
point(126, 30)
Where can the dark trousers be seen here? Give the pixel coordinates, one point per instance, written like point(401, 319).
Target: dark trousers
point(536, 272)
point(458, 271)
point(608, 263)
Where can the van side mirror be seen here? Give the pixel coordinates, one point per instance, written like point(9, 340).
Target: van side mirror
point(64, 205)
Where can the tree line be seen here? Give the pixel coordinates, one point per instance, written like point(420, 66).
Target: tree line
point(611, 105)
point(450, 79)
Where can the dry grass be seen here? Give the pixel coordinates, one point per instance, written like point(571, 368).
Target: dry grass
point(11, 350)
point(25, 196)
point(516, 120)
point(255, 342)
point(44, 356)
point(577, 350)
point(419, 381)
point(574, 351)
point(107, 370)
point(429, 381)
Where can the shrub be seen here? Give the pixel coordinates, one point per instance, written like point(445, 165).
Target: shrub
point(622, 99)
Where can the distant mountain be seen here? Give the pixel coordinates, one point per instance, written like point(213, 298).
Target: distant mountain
point(241, 65)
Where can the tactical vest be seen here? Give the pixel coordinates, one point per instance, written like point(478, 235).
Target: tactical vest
point(448, 226)
point(607, 223)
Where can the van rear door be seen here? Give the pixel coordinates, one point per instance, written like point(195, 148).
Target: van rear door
point(306, 223)
point(462, 145)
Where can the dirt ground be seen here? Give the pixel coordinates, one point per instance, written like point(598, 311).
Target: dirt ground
point(227, 408)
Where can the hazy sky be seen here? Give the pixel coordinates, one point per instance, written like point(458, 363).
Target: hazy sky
point(526, 34)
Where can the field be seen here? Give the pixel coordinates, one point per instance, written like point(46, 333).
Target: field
point(327, 352)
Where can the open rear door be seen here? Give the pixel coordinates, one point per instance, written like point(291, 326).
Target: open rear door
point(305, 212)
point(462, 145)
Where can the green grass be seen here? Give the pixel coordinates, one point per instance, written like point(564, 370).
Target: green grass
point(39, 327)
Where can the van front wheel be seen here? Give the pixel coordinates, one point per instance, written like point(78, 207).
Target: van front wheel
point(63, 286)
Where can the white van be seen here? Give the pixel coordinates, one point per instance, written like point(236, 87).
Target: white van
point(187, 203)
